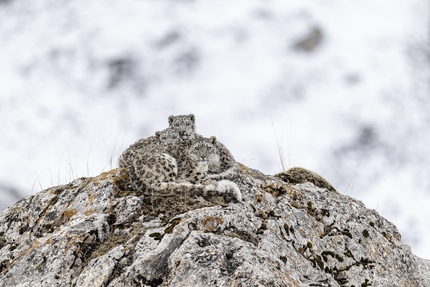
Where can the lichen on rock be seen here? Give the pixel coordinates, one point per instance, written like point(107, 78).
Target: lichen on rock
point(99, 232)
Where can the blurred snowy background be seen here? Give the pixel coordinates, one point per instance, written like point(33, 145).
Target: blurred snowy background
point(344, 86)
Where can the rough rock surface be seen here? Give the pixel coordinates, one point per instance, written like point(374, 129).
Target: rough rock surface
point(97, 232)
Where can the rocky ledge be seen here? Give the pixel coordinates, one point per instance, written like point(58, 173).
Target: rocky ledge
point(98, 232)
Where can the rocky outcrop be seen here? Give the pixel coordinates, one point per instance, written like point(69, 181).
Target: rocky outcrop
point(98, 232)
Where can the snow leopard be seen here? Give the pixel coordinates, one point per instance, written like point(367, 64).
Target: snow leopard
point(184, 125)
point(222, 167)
point(183, 169)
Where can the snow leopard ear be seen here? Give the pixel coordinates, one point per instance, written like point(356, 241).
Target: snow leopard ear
point(171, 118)
point(212, 140)
point(192, 118)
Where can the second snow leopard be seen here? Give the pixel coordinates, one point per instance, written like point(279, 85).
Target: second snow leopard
point(184, 125)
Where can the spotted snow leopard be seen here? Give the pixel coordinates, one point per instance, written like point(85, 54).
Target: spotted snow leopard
point(163, 174)
point(184, 125)
point(224, 166)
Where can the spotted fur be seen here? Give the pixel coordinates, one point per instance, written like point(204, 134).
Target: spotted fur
point(161, 142)
point(225, 166)
point(164, 165)
point(149, 160)
point(194, 165)
point(194, 168)
point(184, 125)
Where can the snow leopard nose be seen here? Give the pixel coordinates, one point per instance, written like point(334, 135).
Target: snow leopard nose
point(183, 135)
point(203, 158)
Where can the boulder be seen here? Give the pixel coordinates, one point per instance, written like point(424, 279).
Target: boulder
point(99, 232)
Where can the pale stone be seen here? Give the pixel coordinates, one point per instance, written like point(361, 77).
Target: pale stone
point(99, 232)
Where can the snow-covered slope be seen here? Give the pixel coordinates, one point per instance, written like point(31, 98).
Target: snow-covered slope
point(343, 84)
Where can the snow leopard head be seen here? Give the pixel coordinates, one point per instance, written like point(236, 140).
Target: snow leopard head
point(184, 125)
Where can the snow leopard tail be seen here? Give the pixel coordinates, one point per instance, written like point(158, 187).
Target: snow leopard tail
point(228, 189)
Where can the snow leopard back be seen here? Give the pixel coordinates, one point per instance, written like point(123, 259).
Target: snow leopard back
point(161, 142)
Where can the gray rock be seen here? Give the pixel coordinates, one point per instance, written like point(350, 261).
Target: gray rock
point(310, 41)
point(98, 232)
